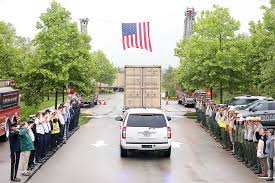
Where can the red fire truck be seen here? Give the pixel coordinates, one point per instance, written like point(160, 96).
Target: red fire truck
point(9, 107)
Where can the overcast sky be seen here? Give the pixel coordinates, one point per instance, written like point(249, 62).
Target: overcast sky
point(166, 20)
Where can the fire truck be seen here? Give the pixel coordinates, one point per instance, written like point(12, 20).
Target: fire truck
point(9, 107)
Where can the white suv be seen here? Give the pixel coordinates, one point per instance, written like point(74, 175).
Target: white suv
point(146, 130)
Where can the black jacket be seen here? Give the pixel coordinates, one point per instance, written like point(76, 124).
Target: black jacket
point(14, 141)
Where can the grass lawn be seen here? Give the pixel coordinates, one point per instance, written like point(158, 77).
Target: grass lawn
point(26, 111)
point(190, 114)
point(84, 118)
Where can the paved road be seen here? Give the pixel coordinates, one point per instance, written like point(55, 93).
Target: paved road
point(92, 154)
point(4, 162)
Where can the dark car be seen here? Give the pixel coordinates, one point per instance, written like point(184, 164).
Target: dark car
point(264, 109)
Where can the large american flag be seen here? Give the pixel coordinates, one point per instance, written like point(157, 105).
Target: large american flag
point(136, 35)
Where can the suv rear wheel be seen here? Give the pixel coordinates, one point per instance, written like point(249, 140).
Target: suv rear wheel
point(123, 152)
point(167, 153)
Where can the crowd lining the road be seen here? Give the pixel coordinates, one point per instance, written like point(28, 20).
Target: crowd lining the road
point(245, 138)
point(35, 141)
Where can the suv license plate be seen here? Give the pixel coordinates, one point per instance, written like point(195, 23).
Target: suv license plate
point(146, 146)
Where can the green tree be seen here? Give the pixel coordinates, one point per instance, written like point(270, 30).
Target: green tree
point(8, 50)
point(169, 81)
point(61, 55)
point(266, 41)
point(106, 72)
point(213, 57)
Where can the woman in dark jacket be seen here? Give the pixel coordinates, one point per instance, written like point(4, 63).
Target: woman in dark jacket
point(26, 146)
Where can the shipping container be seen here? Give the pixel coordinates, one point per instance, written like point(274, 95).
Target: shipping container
point(142, 87)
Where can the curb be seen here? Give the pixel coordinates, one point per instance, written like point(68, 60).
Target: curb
point(40, 165)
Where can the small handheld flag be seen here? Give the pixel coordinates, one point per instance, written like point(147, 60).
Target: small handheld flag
point(136, 35)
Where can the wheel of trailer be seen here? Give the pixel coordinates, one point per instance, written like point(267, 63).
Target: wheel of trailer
point(123, 152)
point(5, 137)
point(167, 153)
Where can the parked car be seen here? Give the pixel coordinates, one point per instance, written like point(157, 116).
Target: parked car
point(264, 109)
point(88, 101)
point(145, 129)
point(242, 101)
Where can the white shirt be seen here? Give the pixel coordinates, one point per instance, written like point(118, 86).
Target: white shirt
point(45, 126)
point(250, 132)
point(39, 126)
point(31, 134)
point(61, 118)
point(260, 149)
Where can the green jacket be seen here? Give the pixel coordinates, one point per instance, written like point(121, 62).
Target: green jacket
point(26, 143)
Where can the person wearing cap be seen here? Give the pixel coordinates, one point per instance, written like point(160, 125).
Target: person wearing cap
point(250, 144)
point(245, 144)
point(261, 154)
point(14, 141)
point(270, 153)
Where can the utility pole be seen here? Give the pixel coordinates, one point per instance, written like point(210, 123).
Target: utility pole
point(84, 25)
point(188, 22)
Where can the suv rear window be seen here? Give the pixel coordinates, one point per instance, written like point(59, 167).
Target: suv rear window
point(146, 120)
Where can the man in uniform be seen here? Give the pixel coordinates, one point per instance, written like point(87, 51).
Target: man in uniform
point(15, 150)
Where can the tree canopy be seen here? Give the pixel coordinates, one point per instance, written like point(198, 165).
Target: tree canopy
point(217, 57)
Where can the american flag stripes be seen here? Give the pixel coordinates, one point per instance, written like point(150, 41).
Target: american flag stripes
point(136, 35)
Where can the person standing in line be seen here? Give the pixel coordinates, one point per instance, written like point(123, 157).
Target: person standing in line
point(55, 131)
point(197, 110)
point(69, 118)
point(48, 124)
point(65, 116)
point(257, 126)
point(31, 163)
point(14, 150)
point(62, 124)
point(241, 139)
point(46, 136)
point(250, 149)
point(26, 146)
point(270, 153)
point(39, 137)
point(261, 154)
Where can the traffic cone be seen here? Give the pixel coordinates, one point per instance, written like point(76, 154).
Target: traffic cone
point(105, 103)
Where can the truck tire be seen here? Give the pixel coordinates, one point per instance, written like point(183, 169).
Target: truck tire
point(167, 153)
point(123, 152)
point(4, 137)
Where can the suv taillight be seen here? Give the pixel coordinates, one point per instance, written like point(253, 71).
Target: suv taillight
point(169, 135)
point(124, 132)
